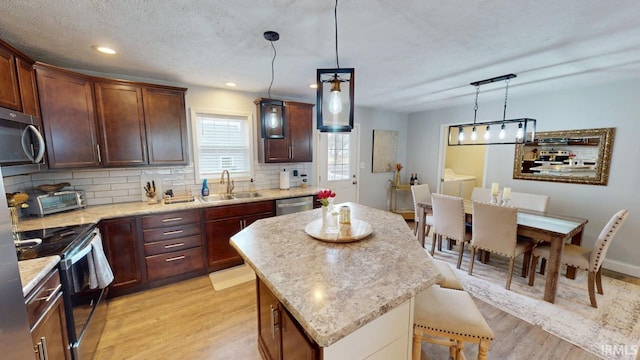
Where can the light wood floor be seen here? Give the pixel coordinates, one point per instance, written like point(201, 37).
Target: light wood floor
point(189, 320)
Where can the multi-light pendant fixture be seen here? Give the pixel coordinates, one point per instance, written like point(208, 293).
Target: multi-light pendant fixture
point(512, 131)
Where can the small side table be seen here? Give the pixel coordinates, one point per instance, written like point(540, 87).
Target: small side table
point(407, 214)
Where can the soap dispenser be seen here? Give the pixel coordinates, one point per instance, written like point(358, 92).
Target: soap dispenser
point(205, 188)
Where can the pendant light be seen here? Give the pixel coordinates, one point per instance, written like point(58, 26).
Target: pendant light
point(272, 112)
point(334, 95)
point(512, 131)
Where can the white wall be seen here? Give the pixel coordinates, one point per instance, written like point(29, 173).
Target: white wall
point(374, 187)
point(607, 105)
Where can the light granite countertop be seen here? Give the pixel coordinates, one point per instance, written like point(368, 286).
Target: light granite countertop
point(333, 289)
point(34, 270)
point(93, 214)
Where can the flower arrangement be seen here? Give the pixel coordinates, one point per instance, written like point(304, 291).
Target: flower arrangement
point(398, 169)
point(325, 195)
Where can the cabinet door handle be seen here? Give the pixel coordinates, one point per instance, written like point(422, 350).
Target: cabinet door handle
point(172, 232)
point(54, 291)
point(173, 245)
point(42, 349)
point(99, 156)
point(290, 152)
point(274, 320)
point(175, 258)
point(172, 219)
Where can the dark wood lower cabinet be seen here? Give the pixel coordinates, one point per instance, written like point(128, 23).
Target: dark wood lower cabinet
point(280, 337)
point(225, 221)
point(220, 254)
point(48, 323)
point(122, 248)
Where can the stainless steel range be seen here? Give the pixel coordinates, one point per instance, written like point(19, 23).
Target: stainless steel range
point(85, 303)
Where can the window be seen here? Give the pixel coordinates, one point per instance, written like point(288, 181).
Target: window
point(222, 142)
point(338, 167)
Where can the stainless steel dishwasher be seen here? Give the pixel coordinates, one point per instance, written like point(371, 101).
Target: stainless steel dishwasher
point(292, 205)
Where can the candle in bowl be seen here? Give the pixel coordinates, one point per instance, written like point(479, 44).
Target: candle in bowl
point(494, 188)
point(506, 194)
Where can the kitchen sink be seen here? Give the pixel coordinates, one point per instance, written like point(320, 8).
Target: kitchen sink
point(216, 197)
point(246, 195)
point(225, 196)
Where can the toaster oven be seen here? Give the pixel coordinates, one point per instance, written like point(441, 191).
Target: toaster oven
point(55, 202)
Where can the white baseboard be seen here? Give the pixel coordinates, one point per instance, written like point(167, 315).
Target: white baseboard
point(622, 267)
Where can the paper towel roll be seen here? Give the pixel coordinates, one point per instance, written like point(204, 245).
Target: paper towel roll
point(284, 180)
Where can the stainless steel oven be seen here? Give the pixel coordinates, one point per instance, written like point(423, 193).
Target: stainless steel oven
point(85, 303)
point(86, 308)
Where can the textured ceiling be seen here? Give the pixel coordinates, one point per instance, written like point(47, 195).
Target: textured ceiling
point(409, 55)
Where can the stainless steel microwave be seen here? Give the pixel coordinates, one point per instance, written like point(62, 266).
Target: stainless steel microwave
point(21, 143)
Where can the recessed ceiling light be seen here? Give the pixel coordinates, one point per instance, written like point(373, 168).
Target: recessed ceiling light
point(313, 86)
point(104, 49)
point(231, 84)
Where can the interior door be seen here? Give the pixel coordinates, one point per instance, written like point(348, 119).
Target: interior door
point(338, 156)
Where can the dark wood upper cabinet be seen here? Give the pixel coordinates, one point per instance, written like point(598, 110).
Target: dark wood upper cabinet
point(297, 146)
point(131, 124)
point(68, 117)
point(121, 124)
point(18, 89)
point(28, 88)
point(9, 92)
point(166, 126)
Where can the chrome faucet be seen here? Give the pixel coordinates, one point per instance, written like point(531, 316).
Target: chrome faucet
point(230, 183)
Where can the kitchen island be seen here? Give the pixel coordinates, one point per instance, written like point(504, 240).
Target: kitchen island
point(352, 300)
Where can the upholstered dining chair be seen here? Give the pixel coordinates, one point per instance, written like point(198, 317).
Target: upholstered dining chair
point(448, 216)
point(481, 194)
point(421, 194)
point(529, 201)
point(495, 229)
point(583, 258)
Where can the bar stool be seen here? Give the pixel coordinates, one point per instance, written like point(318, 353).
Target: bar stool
point(449, 317)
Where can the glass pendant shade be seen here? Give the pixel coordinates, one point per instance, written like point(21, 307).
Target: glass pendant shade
point(334, 99)
point(272, 118)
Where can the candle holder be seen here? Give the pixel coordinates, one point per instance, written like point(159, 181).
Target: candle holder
point(505, 202)
point(494, 198)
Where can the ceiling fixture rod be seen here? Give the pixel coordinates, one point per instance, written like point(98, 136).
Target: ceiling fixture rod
point(494, 79)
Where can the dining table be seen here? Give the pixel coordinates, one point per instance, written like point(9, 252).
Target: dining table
point(540, 226)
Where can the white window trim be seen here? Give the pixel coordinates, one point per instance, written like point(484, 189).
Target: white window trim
point(194, 136)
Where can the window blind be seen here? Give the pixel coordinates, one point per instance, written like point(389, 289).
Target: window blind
point(223, 144)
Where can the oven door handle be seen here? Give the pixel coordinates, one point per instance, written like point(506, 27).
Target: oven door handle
point(80, 254)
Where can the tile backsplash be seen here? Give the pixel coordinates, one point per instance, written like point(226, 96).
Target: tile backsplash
point(119, 185)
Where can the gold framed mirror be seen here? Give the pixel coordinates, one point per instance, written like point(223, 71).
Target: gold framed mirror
point(570, 156)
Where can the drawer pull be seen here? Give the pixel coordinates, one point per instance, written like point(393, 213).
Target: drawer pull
point(172, 219)
point(173, 232)
point(53, 293)
point(173, 245)
point(175, 258)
